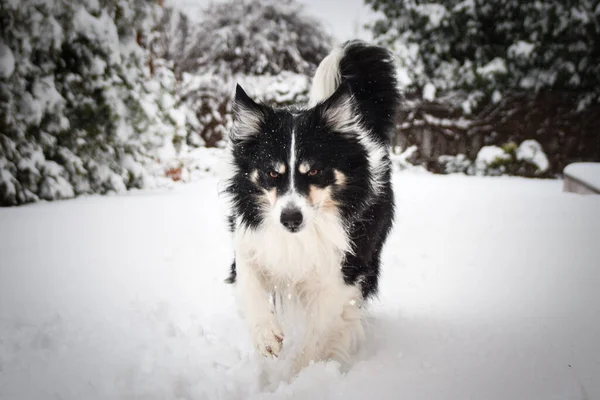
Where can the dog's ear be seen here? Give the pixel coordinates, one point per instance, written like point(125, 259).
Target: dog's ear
point(339, 112)
point(248, 116)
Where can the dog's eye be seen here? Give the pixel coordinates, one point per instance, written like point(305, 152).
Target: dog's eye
point(273, 174)
point(313, 172)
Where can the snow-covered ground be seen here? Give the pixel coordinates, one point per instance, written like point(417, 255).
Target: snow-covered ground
point(490, 290)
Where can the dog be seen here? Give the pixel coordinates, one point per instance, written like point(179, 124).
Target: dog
point(312, 202)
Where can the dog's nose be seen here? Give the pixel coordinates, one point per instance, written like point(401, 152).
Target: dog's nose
point(291, 218)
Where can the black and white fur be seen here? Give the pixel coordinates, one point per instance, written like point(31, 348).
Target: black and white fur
point(312, 202)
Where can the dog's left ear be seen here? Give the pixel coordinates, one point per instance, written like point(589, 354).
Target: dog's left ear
point(248, 116)
point(339, 112)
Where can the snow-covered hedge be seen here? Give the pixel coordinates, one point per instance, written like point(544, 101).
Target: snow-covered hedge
point(490, 47)
point(255, 37)
point(80, 110)
point(526, 159)
point(207, 100)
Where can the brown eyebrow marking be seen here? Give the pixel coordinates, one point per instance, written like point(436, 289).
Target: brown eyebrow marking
point(340, 178)
point(304, 167)
point(280, 167)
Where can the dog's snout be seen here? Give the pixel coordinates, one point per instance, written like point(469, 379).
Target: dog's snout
point(291, 218)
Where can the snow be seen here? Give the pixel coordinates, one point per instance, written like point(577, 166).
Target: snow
point(403, 76)
point(7, 182)
point(435, 13)
point(527, 83)
point(467, 6)
point(101, 31)
point(532, 152)
point(461, 122)
point(490, 157)
point(521, 49)
point(92, 5)
point(46, 94)
point(281, 88)
point(401, 160)
point(56, 187)
point(496, 97)
point(587, 172)
point(98, 66)
point(429, 92)
point(7, 61)
point(30, 109)
point(178, 117)
point(54, 33)
point(496, 66)
point(489, 290)
point(110, 179)
point(458, 164)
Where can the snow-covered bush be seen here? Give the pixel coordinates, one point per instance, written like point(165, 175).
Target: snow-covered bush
point(80, 110)
point(286, 88)
point(208, 103)
point(255, 37)
point(527, 159)
point(403, 160)
point(495, 46)
point(491, 160)
point(458, 164)
point(271, 48)
point(532, 153)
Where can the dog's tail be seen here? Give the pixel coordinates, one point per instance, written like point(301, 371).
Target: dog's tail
point(369, 73)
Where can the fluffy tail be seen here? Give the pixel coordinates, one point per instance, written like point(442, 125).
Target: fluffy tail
point(370, 74)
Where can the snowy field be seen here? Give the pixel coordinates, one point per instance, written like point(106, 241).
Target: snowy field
point(490, 290)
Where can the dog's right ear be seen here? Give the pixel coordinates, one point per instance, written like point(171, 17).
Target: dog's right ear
point(248, 116)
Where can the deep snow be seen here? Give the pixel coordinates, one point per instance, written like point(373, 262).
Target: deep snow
point(489, 291)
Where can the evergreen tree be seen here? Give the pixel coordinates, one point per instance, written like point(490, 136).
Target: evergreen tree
point(256, 37)
point(80, 110)
point(492, 46)
point(270, 47)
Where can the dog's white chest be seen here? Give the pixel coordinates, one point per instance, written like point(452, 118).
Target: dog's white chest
point(316, 251)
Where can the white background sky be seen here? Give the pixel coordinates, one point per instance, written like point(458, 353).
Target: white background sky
point(344, 19)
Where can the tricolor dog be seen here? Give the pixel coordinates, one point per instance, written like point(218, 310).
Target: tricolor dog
point(312, 202)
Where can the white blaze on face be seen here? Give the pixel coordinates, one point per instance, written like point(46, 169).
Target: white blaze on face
point(292, 200)
point(293, 162)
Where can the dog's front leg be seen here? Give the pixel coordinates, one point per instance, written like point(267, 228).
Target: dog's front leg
point(253, 300)
point(334, 323)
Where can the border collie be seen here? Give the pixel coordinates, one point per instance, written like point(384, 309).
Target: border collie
point(312, 202)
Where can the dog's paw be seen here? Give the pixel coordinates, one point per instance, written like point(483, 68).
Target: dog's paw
point(268, 339)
